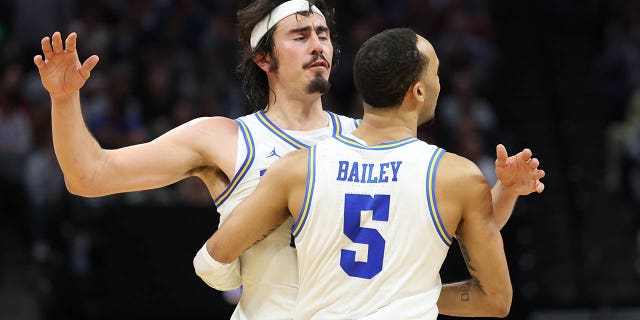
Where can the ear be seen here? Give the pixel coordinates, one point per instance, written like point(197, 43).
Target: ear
point(418, 92)
point(263, 61)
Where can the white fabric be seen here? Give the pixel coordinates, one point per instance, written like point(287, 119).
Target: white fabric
point(220, 276)
point(280, 12)
point(406, 282)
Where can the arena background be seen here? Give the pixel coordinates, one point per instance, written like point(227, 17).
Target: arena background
point(558, 76)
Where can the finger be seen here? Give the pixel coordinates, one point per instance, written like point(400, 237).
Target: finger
point(46, 47)
point(57, 42)
point(539, 187)
point(524, 155)
point(88, 65)
point(540, 174)
point(70, 43)
point(38, 61)
point(501, 155)
point(534, 163)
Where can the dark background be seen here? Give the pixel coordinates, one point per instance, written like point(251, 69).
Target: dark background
point(560, 77)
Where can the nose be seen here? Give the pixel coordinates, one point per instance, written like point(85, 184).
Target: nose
point(315, 45)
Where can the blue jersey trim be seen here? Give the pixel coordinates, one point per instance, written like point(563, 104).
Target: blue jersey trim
point(337, 125)
point(382, 146)
point(262, 117)
point(431, 197)
point(308, 194)
point(248, 141)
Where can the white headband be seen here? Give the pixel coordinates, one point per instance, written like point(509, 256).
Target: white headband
point(280, 12)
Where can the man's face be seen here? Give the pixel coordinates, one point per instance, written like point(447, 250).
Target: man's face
point(304, 52)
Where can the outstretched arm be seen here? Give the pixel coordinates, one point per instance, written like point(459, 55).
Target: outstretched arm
point(92, 171)
point(62, 76)
point(517, 175)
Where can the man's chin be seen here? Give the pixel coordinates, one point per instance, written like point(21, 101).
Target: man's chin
point(319, 85)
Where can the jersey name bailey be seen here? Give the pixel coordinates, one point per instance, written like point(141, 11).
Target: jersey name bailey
point(368, 172)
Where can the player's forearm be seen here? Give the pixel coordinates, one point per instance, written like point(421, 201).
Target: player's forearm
point(225, 247)
point(504, 201)
point(76, 150)
point(466, 299)
point(220, 276)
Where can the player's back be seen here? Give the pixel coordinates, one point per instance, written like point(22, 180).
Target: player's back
point(369, 238)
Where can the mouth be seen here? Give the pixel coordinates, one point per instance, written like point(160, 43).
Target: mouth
point(319, 63)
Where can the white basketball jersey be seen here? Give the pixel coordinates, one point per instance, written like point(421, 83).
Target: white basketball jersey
point(269, 268)
point(369, 237)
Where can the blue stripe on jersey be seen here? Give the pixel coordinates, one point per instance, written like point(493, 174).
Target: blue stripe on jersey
point(308, 194)
point(248, 141)
point(357, 122)
point(262, 117)
point(337, 126)
point(381, 146)
point(431, 197)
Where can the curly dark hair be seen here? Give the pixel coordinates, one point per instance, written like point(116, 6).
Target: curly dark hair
point(386, 66)
point(254, 80)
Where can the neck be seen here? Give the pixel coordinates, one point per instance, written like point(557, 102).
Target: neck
point(301, 112)
point(384, 125)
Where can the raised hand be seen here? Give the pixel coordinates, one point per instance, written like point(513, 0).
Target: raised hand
point(519, 173)
point(61, 72)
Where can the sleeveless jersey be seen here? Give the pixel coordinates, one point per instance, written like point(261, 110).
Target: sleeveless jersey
point(269, 268)
point(369, 237)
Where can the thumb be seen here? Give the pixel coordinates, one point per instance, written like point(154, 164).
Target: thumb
point(501, 155)
point(88, 65)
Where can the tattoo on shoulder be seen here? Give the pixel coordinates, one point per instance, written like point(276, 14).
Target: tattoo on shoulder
point(468, 262)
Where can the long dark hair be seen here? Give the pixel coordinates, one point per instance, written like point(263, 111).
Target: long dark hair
point(254, 80)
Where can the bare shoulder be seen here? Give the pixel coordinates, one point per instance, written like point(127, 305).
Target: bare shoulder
point(458, 172)
point(460, 187)
point(292, 165)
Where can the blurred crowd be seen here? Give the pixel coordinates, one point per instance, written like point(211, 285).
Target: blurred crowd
point(164, 62)
point(619, 72)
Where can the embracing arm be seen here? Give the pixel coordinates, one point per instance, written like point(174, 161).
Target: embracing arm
point(92, 171)
point(217, 275)
point(488, 293)
point(517, 175)
point(279, 192)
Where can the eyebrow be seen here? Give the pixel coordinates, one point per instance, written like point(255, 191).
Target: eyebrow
point(308, 29)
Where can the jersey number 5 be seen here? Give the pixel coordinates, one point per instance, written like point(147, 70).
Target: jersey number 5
point(354, 205)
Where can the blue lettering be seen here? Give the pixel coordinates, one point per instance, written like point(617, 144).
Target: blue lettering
point(368, 172)
point(383, 172)
point(353, 176)
point(395, 166)
point(371, 179)
point(342, 170)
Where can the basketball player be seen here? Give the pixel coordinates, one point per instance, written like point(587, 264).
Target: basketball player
point(230, 155)
point(376, 210)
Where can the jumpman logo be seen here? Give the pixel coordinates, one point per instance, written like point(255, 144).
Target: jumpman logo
point(273, 153)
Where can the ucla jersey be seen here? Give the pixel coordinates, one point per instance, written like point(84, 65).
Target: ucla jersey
point(369, 237)
point(269, 268)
